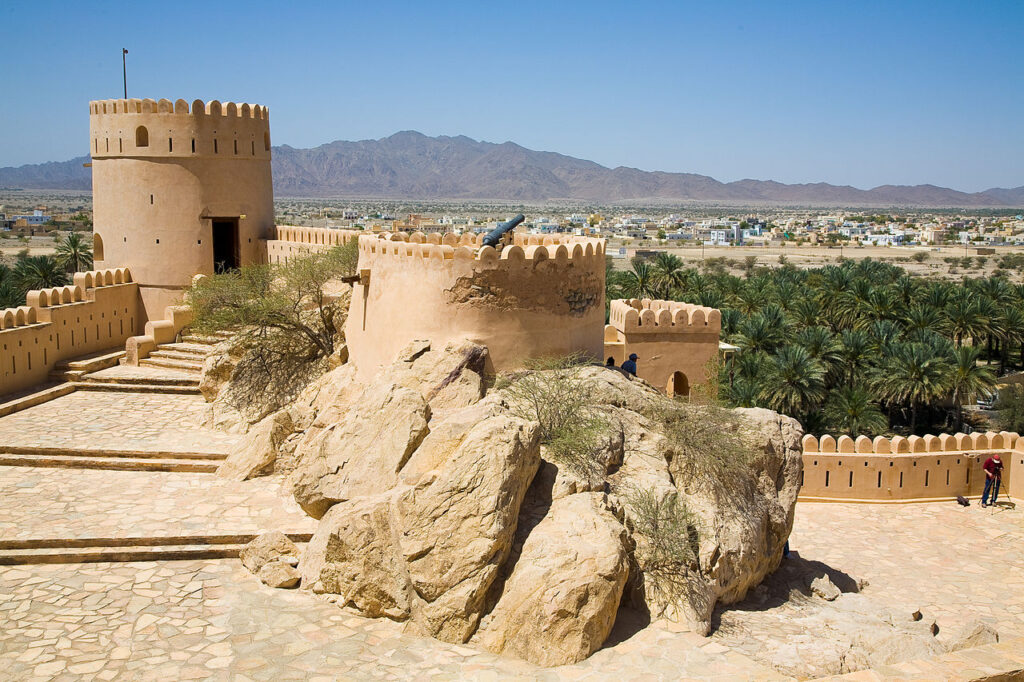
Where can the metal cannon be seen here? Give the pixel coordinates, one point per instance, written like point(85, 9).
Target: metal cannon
point(495, 235)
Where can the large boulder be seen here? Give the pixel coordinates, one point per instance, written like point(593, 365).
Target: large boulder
point(363, 453)
point(458, 523)
point(255, 454)
point(430, 551)
point(265, 548)
point(559, 603)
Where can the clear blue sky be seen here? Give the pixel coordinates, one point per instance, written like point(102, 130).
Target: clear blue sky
point(861, 93)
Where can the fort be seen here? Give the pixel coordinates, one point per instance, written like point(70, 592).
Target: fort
point(183, 191)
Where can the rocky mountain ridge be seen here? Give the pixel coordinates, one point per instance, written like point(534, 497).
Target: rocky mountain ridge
point(411, 166)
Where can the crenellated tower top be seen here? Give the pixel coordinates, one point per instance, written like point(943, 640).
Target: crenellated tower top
point(160, 128)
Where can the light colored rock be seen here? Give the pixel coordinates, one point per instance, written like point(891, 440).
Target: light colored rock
point(430, 551)
point(256, 453)
point(559, 603)
point(353, 554)
point(265, 548)
point(824, 588)
point(972, 634)
point(279, 574)
point(458, 522)
point(363, 453)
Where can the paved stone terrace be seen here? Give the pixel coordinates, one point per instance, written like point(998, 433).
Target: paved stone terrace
point(42, 503)
point(954, 563)
point(140, 374)
point(98, 420)
point(213, 620)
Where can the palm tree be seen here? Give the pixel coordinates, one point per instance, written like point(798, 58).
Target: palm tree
point(912, 373)
point(851, 410)
point(967, 378)
point(795, 383)
point(966, 319)
point(74, 253)
point(668, 267)
point(39, 272)
point(820, 344)
point(855, 349)
point(640, 280)
point(10, 296)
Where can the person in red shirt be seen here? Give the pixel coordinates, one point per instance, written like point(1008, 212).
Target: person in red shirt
point(993, 476)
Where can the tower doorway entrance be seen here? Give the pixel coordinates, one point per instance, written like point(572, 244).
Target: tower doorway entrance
point(678, 385)
point(226, 253)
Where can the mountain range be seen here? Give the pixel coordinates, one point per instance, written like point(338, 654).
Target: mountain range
point(412, 166)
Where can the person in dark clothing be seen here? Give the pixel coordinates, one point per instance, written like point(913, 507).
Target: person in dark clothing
point(993, 477)
point(630, 365)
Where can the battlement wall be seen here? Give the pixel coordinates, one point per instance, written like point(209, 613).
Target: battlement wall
point(898, 469)
point(660, 317)
point(98, 312)
point(676, 342)
point(523, 301)
point(150, 128)
point(294, 241)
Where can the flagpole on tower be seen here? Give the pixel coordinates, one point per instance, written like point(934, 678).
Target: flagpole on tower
point(124, 70)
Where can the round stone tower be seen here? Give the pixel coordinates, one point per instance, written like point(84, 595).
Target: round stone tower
point(178, 190)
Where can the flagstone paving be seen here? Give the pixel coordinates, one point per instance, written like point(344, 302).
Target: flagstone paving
point(100, 420)
point(186, 620)
point(42, 503)
point(954, 563)
point(213, 620)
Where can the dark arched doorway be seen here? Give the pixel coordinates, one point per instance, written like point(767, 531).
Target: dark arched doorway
point(678, 386)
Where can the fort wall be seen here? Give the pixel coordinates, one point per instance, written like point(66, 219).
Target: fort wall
point(98, 312)
point(932, 467)
point(674, 341)
point(177, 187)
point(292, 241)
point(538, 296)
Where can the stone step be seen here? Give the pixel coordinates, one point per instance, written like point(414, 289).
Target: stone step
point(206, 339)
point(144, 380)
point(197, 348)
point(172, 363)
point(88, 550)
point(65, 461)
point(187, 356)
point(131, 454)
point(190, 389)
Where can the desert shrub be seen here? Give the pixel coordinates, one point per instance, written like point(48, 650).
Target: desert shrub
point(554, 394)
point(284, 320)
point(1009, 408)
point(667, 542)
point(709, 443)
point(920, 256)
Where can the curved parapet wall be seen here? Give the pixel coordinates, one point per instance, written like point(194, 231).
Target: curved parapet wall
point(898, 469)
point(675, 341)
point(663, 317)
point(96, 313)
point(523, 301)
point(176, 186)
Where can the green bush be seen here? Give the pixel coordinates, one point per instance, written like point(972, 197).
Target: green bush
point(667, 542)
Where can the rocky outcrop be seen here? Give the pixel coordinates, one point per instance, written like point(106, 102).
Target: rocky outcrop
point(559, 603)
point(272, 557)
point(440, 508)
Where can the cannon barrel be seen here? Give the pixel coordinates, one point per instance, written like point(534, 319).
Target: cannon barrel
point(494, 236)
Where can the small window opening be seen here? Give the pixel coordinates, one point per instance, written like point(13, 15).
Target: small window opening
point(851, 479)
point(193, 145)
point(926, 478)
point(120, 145)
point(141, 136)
point(150, 199)
point(901, 479)
point(254, 148)
point(215, 145)
point(170, 144)
point(266, 141)
point(826, 479)
point(879, 479)
point(236, 147)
